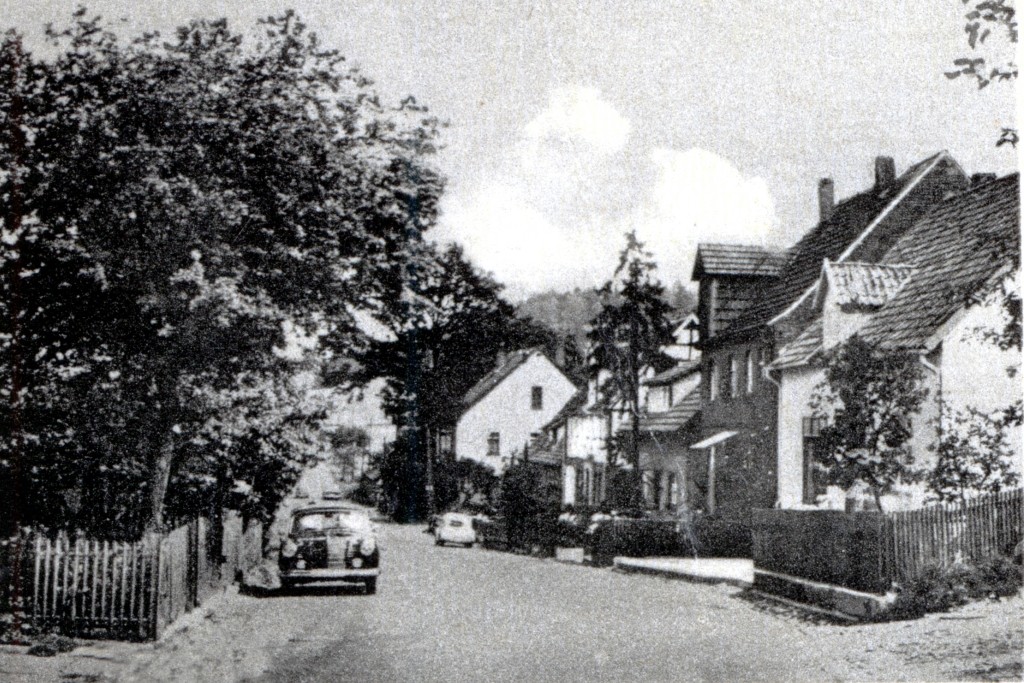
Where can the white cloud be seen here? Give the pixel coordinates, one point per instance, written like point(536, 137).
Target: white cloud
point(698, 196)
point(555, 214)
point(577, 115)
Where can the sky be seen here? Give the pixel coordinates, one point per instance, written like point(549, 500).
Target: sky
point(688, 121)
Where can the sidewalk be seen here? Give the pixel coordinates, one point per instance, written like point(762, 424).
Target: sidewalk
point(737, 572)
point(102, 661)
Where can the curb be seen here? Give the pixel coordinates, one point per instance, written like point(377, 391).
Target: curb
point(626, 568)
point(855, 604)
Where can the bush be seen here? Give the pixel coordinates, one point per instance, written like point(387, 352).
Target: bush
point(939, 588)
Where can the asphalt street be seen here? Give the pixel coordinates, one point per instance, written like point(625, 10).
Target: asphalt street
point(458, 614)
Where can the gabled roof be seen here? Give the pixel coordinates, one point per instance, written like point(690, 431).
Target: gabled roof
point(863, 284)
point(956, 248)
point(830, 239)
point(574, 405)
point(510, 364)
point(803, 349)
point(676, 372)
point(737, 259)
point(675, 417)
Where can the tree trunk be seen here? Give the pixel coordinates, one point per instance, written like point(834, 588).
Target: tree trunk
point(161, 478)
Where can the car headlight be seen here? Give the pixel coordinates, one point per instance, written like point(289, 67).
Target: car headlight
point(367, 546)
point(289, 548)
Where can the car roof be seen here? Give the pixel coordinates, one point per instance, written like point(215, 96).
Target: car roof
point(329, 508)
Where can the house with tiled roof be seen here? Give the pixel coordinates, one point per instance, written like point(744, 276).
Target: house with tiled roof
point(669, 424)
point(752, 304)
point(510, 404)
point(926, 296)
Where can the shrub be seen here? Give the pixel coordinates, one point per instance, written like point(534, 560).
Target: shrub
point(939, 588)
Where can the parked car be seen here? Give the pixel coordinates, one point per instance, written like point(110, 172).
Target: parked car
point(330, 542)
point(455, 527)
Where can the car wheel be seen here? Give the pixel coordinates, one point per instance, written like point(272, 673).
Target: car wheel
point(468, 545)
point(438, 541)
point(371, 586)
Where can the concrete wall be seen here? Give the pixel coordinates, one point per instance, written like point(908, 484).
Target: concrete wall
point(507, 411)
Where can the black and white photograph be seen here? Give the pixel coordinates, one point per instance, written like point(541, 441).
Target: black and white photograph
point(523, 340)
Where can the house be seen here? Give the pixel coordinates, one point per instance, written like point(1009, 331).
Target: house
point(686, 333)
point(753, 301)
point(920, 297)
point(508, 406)
point(667, 428)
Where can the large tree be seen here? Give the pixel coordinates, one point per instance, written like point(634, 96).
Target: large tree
point(178, 217)
point(627, 337)
point(443, 328)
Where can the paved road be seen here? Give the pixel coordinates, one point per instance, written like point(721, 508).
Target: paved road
point(455, 614)
point(458, 614)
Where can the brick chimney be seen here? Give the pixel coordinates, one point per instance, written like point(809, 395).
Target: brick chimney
point(885, 171)
point(826, 197)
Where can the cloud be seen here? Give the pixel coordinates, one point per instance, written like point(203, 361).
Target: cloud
point(553, 215)
point(698, 196)
point(577, 116)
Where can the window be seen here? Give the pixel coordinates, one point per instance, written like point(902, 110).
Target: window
point(713, 379)
point(494, 444)
point(731, 379)
point(444, 441)
point(750, 372)
point(814, 484)
point(598, 486)
point(537, 398)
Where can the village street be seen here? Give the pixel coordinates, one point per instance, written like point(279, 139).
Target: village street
point(474, 615)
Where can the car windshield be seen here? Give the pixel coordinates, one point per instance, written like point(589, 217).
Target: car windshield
point(339, 522)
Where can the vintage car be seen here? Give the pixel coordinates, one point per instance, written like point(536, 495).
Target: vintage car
point(330, 542)
point(455, 527)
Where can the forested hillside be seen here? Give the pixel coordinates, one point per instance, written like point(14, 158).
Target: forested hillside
point(569, 312)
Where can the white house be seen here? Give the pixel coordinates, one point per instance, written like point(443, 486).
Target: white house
point(918, 298)
point(508, 406)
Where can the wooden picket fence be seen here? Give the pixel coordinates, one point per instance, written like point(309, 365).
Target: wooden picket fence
point(125, 590)
point(945, 533)
point(84, 586)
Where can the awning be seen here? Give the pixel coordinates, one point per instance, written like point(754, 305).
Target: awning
point(713, 440)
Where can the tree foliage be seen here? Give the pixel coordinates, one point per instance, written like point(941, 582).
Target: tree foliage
point(988, 22)
point(628, 335)
point(973, 455)
point(187, 223)
point(868, 400)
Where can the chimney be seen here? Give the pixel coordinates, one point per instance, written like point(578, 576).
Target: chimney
point(885, 171)
point(826, 197)
point(982, 178)
point(560, 355)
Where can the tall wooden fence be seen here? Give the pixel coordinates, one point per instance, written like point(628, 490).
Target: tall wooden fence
point(946, 533)
point(870, 551)
point(125, 590)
